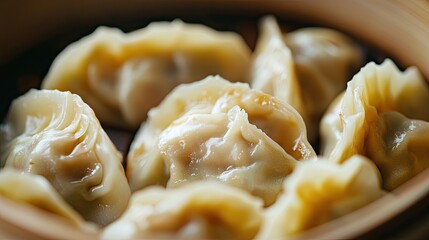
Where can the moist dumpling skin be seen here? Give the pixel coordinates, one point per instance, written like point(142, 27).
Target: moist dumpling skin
point(273, 67)
point(318, 192)
point(404, 150)
point(325, 60)
point(122, 75)
point(383, 115)
point(37, 191)
point(278, 124)
point(200, 210)
point(307, 68)
point(227, 148)
point(56, 135)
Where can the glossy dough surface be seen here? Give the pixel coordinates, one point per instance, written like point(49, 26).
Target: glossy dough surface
point(307, 68)
point(122, 75)
point(240, 126)
point(376, 117)
point(37, 191)
point(273, 68)
point(317, 192)
point(56, 135)
point(200, 210)
point(229, 149)
point(404, 150)
point(214, 158)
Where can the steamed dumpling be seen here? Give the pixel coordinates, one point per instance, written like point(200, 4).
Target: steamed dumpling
point(257, 115)
point(307, 68)
point(201, 210)
point(227, 148)
point(320, 191)
point(383, 114)
point(121, 76)
point(273, 69)
point(36, 191)
point(56, 135)
point(325, 60)
point(404, 152)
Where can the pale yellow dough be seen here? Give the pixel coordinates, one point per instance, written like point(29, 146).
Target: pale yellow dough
point(383, 115)
point(56, 135)
point(215, 129)
point(318, 192)
point(306, 68)
point(36, 191)
point(122, 75)
point(200, 210)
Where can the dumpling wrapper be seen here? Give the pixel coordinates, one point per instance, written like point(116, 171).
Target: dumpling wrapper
point(273, 68)
point(325, 60)
point(399, 147)
point(278, 120)
point(36, 191)
point(356, 122)
point(200, 210)
point(318, 192)
point(307, 68)
point(56, 135)
point(122, 75)
point(227, 148)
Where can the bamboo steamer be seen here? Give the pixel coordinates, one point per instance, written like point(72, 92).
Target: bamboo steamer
point(398, 28)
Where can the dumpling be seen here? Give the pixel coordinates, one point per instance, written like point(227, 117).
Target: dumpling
point(36, 191)
point(404, 152)
point(212, 98)
point(227, 148)
point(121, 76)
point(56, 135)
point(200, 210)
point(273, 68)
point(375, 117)
point(320, 191)
point(307, 68)
point(325, 60)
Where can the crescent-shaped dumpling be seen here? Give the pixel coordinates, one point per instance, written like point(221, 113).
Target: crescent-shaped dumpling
point(200, 210)
point(277, 123)
point(383, 115)
point(325, 60)
point(56, 135)
point(399, 147)
point(318, 192)
point(273, 68)
point(122, 75)
point(36, 191)
point(307, 68)
point(227, 148)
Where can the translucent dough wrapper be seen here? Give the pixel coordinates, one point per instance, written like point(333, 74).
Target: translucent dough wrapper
point(227, 148)
point(307, 68)
point(56, 135)
point(404, 152)
point(318, 192)
point(122, 75)
point(325, 60)
point(283, 130)
point(374, 117)
point(273, 68)
point(37, 191)
point(200, 210)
